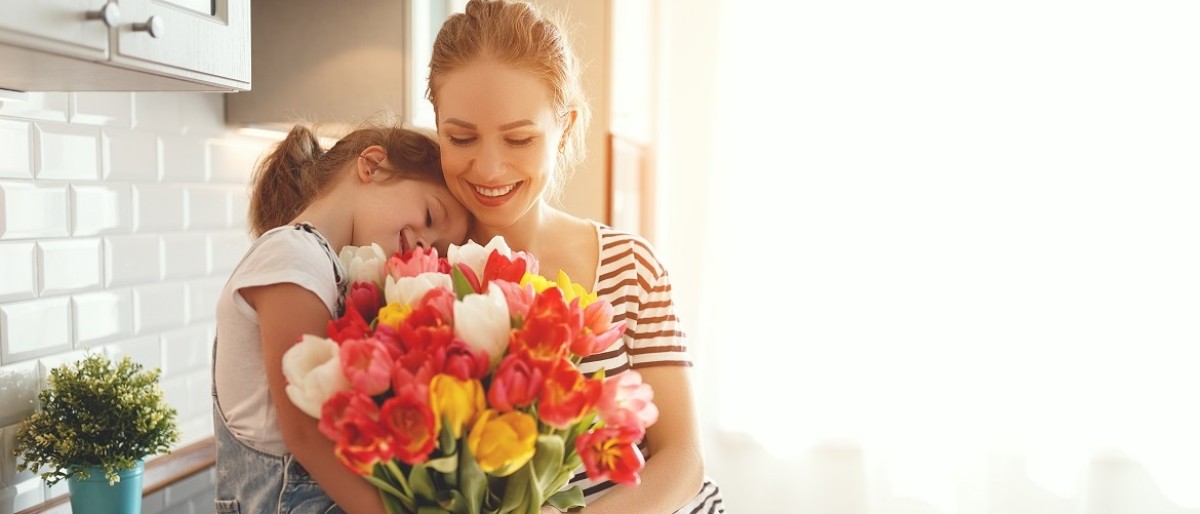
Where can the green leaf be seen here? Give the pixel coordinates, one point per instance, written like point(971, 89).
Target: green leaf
point(447, 464)
point(547, 461)
point(446, 441)
point(422, 484)
point(462, 286)
point(516, 491)
point(394, 500)
point(391, 503)
point(397, 476)
point(472, 480)
point(385, 488)
point(429, 509)
point(567, 498)
point(453, 501)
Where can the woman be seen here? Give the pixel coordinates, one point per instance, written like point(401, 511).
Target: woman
point(511, 117)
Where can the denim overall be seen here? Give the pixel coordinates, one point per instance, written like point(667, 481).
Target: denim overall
point(250, 481)
point(253, 482)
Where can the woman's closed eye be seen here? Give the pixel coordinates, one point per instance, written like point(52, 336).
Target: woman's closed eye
point(519, 142)
point(461, 140)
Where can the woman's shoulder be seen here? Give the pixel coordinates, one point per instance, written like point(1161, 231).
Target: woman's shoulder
point(617, 245)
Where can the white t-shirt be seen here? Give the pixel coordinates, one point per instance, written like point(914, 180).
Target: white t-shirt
point(290, 254)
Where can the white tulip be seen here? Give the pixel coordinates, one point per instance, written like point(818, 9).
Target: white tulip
point(475, 256)
point(364, 263)
point(410, 290)
point(482, 321)
point(314, 373)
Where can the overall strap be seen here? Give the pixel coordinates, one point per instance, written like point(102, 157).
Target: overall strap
point(339, 273)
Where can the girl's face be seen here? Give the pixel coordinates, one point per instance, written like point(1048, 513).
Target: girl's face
point(499, 135)
point(402, 214)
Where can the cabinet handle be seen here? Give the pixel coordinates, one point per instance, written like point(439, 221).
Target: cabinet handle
point(154, 25)
point(110, 14)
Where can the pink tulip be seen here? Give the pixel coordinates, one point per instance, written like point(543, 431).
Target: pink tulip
point(412, 263)
point(366, 364)
point(627, 401)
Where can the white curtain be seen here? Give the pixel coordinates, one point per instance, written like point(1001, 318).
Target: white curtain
point(950, 254)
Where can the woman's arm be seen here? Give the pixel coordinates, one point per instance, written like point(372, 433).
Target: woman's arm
point(285, 312)
point(675, 471)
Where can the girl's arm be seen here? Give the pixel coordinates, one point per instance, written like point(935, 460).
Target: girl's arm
point(675, 471)
point(285, 312)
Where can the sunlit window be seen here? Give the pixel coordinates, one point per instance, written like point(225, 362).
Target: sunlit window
point(959, 232)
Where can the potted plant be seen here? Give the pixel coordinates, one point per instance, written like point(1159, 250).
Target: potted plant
point(98, 420)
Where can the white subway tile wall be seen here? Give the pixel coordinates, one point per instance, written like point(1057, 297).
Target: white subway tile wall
point(15, 149)
point(67, 152)
point(121, 215)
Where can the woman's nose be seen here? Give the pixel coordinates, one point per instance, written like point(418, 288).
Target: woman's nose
point(489, 164)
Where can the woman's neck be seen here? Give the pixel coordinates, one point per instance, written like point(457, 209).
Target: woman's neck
point(529, 233)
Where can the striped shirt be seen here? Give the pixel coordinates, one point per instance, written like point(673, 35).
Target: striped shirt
point(633, 280)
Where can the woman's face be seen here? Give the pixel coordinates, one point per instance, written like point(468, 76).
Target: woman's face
point(499, 136)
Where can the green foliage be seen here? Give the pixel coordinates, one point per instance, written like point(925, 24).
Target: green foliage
point(96, 412)
point(455, 484)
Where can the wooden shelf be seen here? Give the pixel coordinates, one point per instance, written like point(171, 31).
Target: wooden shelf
point(160, 472)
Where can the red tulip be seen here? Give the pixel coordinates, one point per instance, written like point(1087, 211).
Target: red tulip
point(612, 454)
point(362, 442)
point(412, 424)
point(366, 298)
point(499, 267)
point(566, 395)
point(515, 384)
point(459, 359)
point(350, 326)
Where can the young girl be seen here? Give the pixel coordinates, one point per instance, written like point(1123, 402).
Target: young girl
point(376, 185)
point(511, 116)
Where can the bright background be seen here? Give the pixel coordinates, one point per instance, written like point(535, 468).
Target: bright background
point(936, 256)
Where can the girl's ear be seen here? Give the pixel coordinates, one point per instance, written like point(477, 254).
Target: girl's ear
point(369, 162)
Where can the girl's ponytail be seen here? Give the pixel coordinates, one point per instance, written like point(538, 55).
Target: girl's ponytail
point(283, 185)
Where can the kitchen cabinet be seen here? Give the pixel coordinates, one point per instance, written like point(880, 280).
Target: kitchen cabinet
point(125, 45)
point(330, 63)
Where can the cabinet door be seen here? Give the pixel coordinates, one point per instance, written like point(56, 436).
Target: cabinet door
point(55, 26)
point(203, 40)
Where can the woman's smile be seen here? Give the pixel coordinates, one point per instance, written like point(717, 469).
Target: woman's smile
point(492, 196)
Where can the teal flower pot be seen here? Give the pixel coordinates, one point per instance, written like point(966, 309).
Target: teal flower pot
point(93, 495)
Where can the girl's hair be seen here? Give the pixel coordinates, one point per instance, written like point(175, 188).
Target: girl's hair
point(517, 34)
point(298, 171)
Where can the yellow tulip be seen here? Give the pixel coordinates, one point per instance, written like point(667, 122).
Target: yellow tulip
point(502, 443)
point(456, 402)
point(393, 314)
point(569, 289)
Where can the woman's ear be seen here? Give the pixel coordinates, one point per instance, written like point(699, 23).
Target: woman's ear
point(369, 162)
point(562, 143)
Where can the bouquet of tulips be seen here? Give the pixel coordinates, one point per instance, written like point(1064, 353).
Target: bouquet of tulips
point(452, 384)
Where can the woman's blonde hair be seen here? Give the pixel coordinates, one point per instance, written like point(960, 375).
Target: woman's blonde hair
point(518, 34)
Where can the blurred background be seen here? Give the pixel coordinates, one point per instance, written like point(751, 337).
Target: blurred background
point(933, 257)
